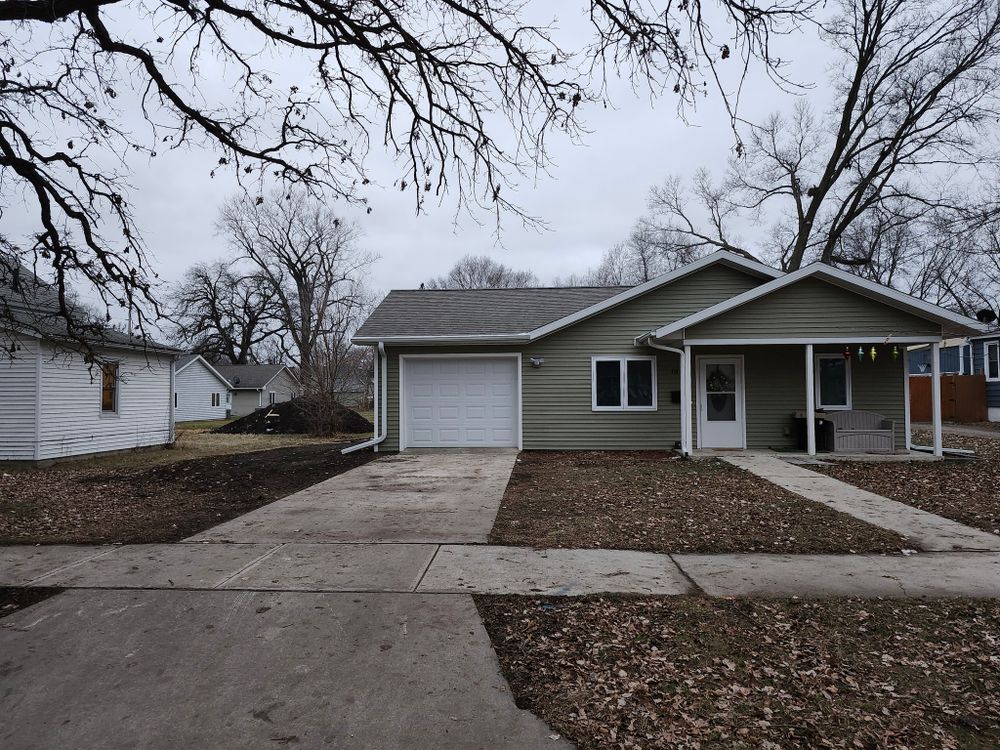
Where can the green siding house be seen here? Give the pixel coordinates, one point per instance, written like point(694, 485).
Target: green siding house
point(723, 353)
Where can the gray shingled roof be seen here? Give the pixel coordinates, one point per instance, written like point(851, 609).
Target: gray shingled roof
point(184, 359)
point(249, 377)
point(29, 305)
point(477, 312)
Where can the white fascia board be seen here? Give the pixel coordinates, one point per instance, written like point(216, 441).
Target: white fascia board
point(811, 340)
point(719, 256)
point(834, 275)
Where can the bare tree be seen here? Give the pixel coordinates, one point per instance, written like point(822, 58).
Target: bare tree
point(463, 94)
point(222, 313)
point(310, 263)
point(916, 87)
point(482, 272)
point(646, 254)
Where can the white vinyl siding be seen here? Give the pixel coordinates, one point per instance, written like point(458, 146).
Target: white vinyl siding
point(18, 391)
point(70, 418)
point(197, 391)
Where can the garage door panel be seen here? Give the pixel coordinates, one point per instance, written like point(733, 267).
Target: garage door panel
point(456, 402)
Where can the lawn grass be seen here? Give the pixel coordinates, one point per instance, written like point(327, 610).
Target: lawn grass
point(651, 501)
point(163, 495)
point(687, 672)
point(205, 424)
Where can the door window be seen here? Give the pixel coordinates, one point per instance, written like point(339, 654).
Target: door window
point(720, 389)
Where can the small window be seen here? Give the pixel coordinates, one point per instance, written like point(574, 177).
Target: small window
point(175, 399)
point(992, 352)
point(215, 399)
point(833, 381)
point(109, 387)
point(623, 383)
point(272, 397)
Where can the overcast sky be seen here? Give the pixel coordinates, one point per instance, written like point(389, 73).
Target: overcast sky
point(589, 201)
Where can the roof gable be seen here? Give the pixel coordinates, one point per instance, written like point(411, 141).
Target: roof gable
point(905, 308)
point(515, 315)
point(186, 360)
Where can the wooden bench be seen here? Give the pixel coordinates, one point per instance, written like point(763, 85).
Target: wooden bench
point(856, 431)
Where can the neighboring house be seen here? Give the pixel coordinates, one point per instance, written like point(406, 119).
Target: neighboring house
point(986, 359)
point(973, 355)
point(254, 386)
point(200, 392)
point(721, 353)
point(956, 358)
point(57, 405)
point(353, 390)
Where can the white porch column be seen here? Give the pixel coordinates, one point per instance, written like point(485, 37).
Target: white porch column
point(936, 396)
point(810, 402)
point(375, 393)
point(687, 443)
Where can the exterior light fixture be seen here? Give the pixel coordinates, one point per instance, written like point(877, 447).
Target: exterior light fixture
point(537, 362)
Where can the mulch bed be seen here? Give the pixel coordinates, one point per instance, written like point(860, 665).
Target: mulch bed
point(69, 504)
point(652, 502)
point(751, 673)
point(967, 491)
point(13, 599)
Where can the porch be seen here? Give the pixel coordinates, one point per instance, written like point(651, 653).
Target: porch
point(747, 397)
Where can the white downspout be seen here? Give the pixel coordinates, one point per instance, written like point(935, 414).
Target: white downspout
point(381, 409)
point(685, 392)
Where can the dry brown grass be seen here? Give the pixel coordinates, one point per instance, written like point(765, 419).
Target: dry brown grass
point(692, 673)
point(650, 501)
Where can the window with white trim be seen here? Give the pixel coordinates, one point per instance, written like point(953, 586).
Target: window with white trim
point(833, 381)
point(623, 383)
point(991, 360)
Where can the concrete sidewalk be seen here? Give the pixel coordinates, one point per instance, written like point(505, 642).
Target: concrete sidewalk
point(481, 569)
point(166, 670)
point(928, 531)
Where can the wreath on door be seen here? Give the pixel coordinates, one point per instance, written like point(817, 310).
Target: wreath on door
point(717, 381)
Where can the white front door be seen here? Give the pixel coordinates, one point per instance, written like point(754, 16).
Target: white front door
point(720, 402)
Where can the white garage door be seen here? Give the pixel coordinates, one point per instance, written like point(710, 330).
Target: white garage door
point(460, 402)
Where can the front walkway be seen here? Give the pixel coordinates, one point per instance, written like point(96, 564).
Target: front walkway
point(928, 531)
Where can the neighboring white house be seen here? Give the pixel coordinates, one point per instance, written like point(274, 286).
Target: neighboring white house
point(200, 392)
point(55, 404)
point(254, 386)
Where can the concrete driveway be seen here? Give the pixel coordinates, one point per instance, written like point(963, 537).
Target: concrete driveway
point(164, 669)
point(437, 497)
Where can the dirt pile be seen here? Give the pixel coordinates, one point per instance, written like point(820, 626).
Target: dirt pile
point(300, 415)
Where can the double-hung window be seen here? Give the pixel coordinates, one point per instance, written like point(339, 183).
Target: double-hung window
point(833, 381)
point(991, 360)
point(109, 387)
point(623, 383)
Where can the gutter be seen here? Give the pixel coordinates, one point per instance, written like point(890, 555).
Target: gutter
point(648, 340)
point(381, 409)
